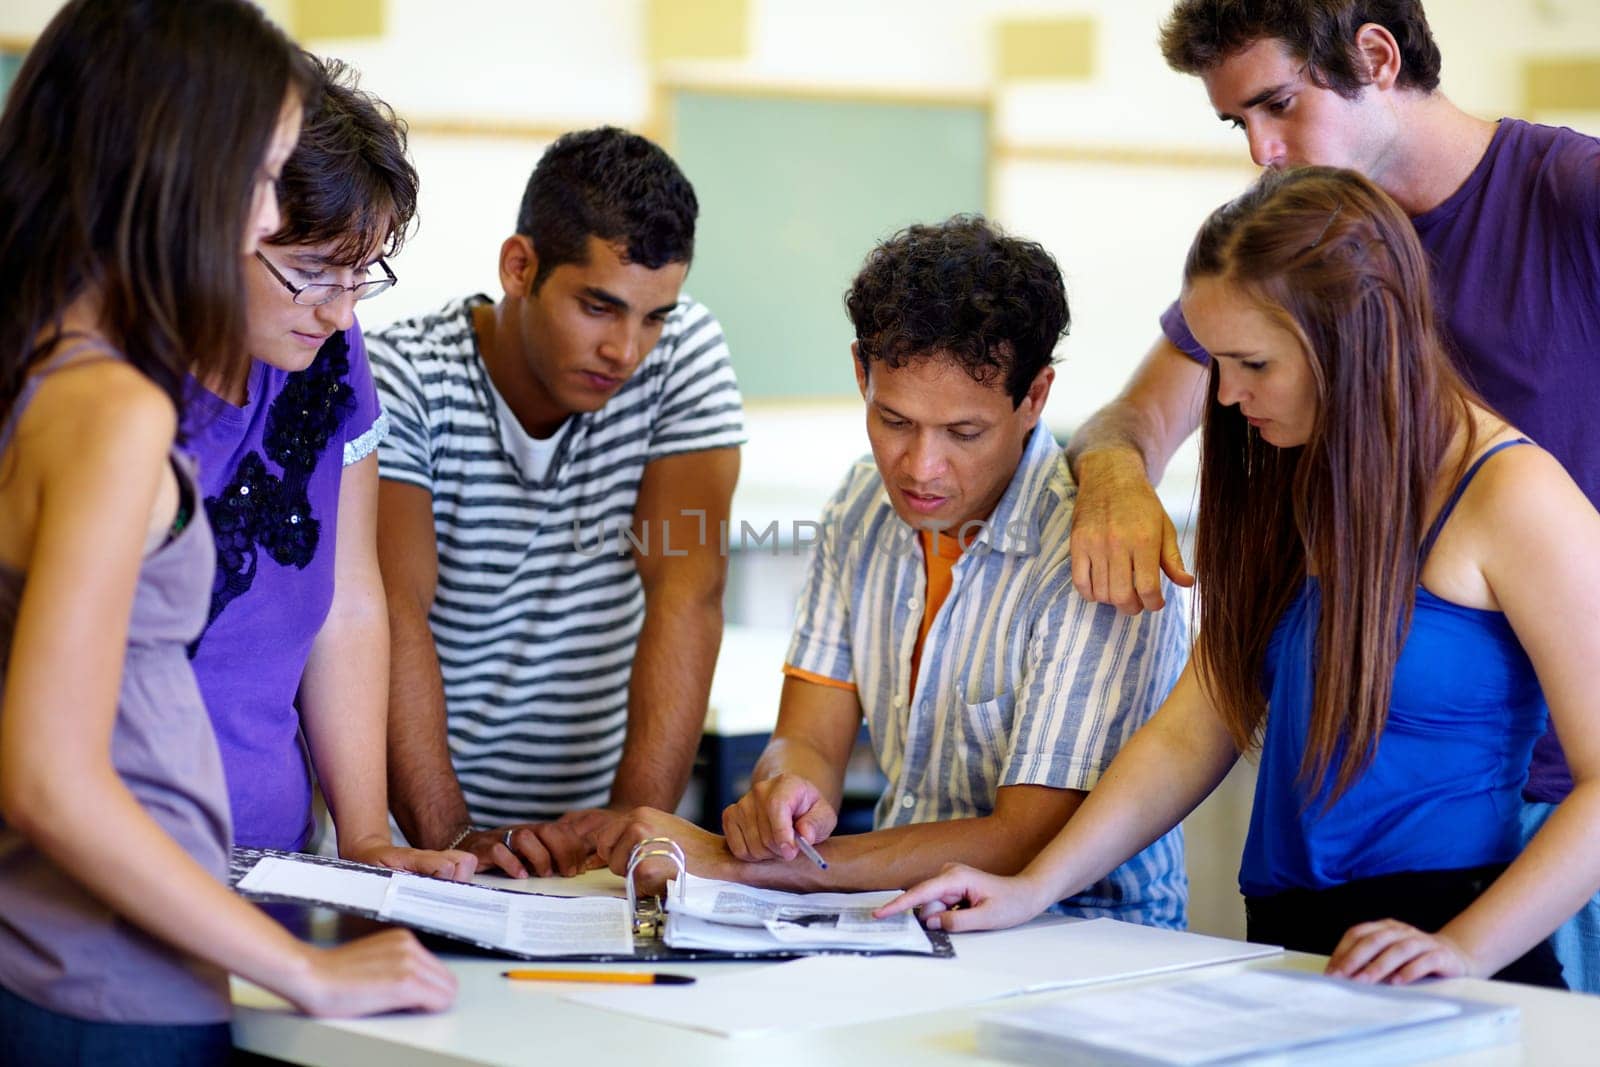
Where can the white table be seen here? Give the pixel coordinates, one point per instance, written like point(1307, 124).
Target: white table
point(501, 1023)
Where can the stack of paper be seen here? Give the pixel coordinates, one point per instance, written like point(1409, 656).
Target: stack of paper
point(1257, 1017)
point(1045, 954)
point(519, 924)
point(729, 917)
point(526, 924)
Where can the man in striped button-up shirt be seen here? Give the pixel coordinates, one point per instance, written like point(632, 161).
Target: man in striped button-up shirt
point(940, 607)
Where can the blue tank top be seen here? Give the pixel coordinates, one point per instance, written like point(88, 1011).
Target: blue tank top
point(1443, 790)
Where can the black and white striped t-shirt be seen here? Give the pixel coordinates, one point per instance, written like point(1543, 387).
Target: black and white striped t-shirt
point(538, 606)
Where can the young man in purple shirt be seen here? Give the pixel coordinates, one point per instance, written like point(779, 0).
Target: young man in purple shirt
point(295, 655)
point(1509, 213)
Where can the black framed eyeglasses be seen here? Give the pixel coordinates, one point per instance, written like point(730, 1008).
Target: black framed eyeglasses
point(326, 292)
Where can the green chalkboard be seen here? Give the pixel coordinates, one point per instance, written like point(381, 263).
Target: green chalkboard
point(10, 63)
point(793, 193)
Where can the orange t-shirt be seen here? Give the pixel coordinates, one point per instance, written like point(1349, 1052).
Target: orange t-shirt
point(939, 555)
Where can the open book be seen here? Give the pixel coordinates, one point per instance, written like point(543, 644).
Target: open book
point(714, 920)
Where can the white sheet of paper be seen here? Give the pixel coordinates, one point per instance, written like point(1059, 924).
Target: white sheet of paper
point(732, 917)
point(1053, 954)
point(316, 883)
point(463, 910)
point(577, 926)
point(686, 931)
point(517, 922)
point(1206, 1020)
point(742, 905)
point(806, 994)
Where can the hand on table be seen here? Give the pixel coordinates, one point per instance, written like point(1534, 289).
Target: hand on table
point(540, 848)
point(704, 853)
point(763, 824)
point(453, 865)
point(588, 822)
point(960, 898)
point(389, 971)
point(1393, 952)
point(1122, 538)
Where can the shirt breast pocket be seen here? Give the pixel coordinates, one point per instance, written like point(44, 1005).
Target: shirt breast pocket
point(985, 739)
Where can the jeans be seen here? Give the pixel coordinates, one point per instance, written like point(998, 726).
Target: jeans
point(1577, 941)
point(42, 1038)
point(1314, 920)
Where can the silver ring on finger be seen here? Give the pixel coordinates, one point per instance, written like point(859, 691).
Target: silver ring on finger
point(505, 838)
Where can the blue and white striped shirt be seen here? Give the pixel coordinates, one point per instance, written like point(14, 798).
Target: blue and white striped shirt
point(1022, 681)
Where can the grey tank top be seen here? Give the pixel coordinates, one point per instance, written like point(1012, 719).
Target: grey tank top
point(60, 947)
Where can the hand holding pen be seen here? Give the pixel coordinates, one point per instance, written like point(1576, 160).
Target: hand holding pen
point(776, 817)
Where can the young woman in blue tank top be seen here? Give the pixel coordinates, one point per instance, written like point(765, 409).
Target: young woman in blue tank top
point(138, 151)
point(1393, 583)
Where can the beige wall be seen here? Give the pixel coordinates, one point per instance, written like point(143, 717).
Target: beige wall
point(1146, 161)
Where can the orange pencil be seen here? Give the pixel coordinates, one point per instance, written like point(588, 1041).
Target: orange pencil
point(615, 977)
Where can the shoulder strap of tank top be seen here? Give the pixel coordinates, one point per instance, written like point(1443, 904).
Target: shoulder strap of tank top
point(1455, 497)
point(71, 345)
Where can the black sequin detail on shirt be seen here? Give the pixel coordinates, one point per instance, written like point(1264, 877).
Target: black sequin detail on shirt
point(258, 510)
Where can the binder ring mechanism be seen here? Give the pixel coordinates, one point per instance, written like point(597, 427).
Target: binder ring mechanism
point(650, 848)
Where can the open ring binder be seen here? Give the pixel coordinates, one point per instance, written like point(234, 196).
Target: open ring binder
point(648, 914)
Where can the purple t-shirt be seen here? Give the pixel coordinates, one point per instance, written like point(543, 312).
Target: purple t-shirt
point(1516, 276)
point(270, 473)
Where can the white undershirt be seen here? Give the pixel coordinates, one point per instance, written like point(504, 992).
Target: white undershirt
point(531, 454)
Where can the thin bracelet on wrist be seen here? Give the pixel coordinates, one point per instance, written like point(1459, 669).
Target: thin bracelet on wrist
point(462, 836)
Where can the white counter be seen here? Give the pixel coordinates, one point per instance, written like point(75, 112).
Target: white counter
point(499, 1023)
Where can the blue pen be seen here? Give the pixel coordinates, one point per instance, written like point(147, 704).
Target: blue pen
point(810, 853)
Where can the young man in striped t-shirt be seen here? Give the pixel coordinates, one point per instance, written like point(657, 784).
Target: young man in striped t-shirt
point(940, 608)
point(555, 459)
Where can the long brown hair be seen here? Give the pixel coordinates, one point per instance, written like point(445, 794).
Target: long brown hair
point(1330, 257)
point(130, 149)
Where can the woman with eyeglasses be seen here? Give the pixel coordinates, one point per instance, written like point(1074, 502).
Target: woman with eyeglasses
point(296, 641)
point(138, 151)
point(1396, 590)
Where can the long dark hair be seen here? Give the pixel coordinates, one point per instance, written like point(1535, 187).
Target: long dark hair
point(1332, 259)
point(130, 149)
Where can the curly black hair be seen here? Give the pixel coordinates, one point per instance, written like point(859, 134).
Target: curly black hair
point(960, 290)
point(349, 179)
point(613, 185)
point(1199, 35)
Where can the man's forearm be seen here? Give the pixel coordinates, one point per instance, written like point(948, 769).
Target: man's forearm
point(1156, 411)
point(1118, 433)
point(667, 697)
point(423, 792)
point(903, 856)
point(801, 758)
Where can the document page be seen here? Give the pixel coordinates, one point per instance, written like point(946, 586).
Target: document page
point(1052, 952)
point(517, 922)
point(774, 919)
point(316, 883)
point(1203, 1021)
point(576, 926)
point(809, 994)
point(448, 907)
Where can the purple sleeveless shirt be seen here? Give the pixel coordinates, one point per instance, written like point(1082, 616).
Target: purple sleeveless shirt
point(60, 946)
point(1515, 257)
